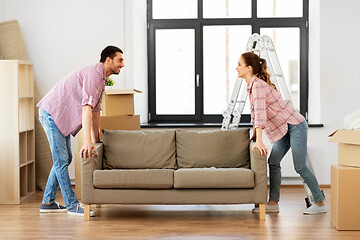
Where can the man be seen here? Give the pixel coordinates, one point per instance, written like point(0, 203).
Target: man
point(74, 103)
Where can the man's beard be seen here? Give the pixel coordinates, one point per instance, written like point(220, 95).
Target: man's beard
point(113, 72)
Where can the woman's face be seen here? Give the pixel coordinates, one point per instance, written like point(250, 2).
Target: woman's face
point(241, 68)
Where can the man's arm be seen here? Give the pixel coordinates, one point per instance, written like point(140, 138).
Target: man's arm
point(86, 149)
point(96, 125)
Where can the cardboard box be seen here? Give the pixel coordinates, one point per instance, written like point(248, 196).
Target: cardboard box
point(349, 147)
point(345, 197)
point(118, 102)
point(121, 122)
point(77, 175)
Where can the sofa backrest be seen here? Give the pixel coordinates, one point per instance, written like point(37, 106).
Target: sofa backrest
point(213, 148)
point(152, 149)
point(172, 149)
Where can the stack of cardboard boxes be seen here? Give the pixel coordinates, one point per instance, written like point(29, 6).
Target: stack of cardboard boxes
point(117, 114)
point(118, 110)
point(345, 181)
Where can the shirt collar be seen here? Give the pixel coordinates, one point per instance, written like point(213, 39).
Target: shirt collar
point(100, 69)
point(251, 83)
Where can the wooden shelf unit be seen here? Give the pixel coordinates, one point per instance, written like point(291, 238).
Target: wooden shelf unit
point(17, 131)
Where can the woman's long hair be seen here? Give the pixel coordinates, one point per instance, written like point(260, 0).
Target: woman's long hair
point(259, 67)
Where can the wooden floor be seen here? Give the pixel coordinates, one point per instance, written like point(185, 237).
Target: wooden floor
point(193, 222)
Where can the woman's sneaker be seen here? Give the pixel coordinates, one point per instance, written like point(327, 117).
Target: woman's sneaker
point(315, 209)
point(79, 210)
point(268, 209)
point(52, 208)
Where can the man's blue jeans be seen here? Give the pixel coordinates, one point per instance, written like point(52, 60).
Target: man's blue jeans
point(296, 138)
point(62, 156)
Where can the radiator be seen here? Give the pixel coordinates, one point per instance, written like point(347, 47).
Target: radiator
point(287, 166)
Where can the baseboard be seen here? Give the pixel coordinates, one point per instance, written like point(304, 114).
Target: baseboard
point(301, 186)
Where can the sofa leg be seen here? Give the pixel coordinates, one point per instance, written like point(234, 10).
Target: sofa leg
point(86, 212)
point(262, 211)
point(98, 205)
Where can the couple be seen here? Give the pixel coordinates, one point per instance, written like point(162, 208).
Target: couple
point(75, 102)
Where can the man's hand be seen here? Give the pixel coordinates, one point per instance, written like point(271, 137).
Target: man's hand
point(86, 150)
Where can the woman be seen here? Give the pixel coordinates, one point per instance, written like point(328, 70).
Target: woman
point(284, 127)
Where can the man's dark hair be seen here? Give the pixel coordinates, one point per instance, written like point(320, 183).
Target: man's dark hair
point(109, 51)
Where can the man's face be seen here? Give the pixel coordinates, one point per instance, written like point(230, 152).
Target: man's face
point(116, 63)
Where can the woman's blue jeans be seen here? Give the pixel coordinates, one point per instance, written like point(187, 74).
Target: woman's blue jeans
point(61, 153)
point(296, 138)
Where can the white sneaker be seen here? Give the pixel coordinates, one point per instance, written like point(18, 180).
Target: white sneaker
point(315, 209)
point(268, 209)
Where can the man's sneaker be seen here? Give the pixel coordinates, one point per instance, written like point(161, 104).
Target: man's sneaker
point(79, 210)
point(268, 209)
point(315, 209)
point(52, 208)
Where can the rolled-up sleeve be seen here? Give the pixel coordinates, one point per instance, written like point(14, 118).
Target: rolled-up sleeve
point(98, 107)
point(90, 91)
point(259, 106)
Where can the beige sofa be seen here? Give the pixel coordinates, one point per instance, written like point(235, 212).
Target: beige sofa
point(174, 167)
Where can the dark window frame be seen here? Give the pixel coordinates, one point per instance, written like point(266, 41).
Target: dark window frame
point(197, 25)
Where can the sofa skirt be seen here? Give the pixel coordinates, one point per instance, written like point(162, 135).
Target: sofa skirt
point(171, 196)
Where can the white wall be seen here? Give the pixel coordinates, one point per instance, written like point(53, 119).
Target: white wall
point(63, 35)
point(136, 53)
point(339, 77)
point(334, 76)
point(2, 10)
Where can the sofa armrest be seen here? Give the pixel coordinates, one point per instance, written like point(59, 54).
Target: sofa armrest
point(88, 166)
point(258, 164)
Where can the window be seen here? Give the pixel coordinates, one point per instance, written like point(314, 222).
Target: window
point(194, 46)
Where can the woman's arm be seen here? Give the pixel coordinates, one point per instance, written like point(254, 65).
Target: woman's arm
point(253, 138)
point(259, 116)
point(259, 143)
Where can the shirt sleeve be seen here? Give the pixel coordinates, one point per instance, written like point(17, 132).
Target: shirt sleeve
point(252, 117)
point(98, 107)
point(259, 103)
point(90, 91)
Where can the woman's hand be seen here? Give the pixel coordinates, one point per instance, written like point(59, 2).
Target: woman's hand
point(262, 148)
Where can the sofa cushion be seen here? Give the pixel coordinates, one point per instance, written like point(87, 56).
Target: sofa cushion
point(214, 178)
point(213, 148)
point(150, 149)
point(134, 178)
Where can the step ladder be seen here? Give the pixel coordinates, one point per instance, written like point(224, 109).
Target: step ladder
point(264, 47)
